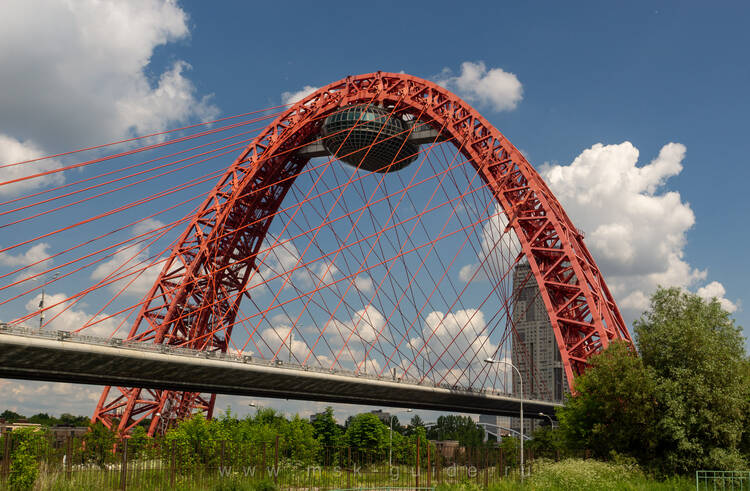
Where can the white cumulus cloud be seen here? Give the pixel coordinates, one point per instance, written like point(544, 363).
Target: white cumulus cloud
point(36, 253)
point(498, 248)
point(635, 228)
point(128, 262)
point(494, 87)
point(13, 151)
point(79, 73)
point(62, 314)
point(292, 97)
point(716, 290)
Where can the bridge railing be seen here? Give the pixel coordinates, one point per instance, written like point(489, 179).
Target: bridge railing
point(216, 355)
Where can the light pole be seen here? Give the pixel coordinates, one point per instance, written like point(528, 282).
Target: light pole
point(520, 380)
point(41, 302)
point(291, 340)
point(390, 440)
point(551, 423)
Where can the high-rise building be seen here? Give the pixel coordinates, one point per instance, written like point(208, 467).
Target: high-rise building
point(535, 351)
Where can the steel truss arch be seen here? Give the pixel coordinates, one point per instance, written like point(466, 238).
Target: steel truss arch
point(195, 300)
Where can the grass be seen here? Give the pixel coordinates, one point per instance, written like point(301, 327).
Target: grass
point(567, 475)
point(582, 475)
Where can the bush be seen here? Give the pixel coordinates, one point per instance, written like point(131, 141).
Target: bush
point(584, 475)
point(24, 465)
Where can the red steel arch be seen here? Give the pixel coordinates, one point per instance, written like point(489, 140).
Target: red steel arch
point(195, 300)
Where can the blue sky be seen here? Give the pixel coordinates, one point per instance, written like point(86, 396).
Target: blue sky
point(595, 73)
point(645, 72)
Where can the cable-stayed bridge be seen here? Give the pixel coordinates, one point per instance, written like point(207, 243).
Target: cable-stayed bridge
point(362, 245)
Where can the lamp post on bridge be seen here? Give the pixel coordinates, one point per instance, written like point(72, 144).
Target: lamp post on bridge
point(390, 439)
point(520, 380)
point(41, 302)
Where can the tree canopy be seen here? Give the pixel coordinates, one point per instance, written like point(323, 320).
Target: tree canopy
point(367, 431)
point(325, 429)
point(681, 405)
point(461, 428)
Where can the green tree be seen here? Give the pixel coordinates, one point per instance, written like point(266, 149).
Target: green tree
point(682, 405)
point(67, 419)
point(28, 444)
point(11, 416)
point(43, 419)
point(698, 355)
point(415, 423)
point(461, 428)
point(745, 444)
point(366, 431)
point(510, 446)
point(198, 439)
point(99, 442)
point(616, 406)
point(138, 442)
point(547, 442)
point(325, 429)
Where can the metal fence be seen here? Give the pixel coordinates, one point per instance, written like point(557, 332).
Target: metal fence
point(75, 463)
point(729, 480)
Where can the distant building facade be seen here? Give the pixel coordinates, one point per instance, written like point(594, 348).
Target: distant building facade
point(6, 427)
point(535, 351)
point(497, 425)
point(60, 434)
point(383, 416)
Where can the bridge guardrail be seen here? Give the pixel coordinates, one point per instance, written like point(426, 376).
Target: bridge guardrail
point(68, 336)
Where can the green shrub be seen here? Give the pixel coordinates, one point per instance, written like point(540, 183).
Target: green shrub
point(265, 486)
point(232, 485)
point(584, 475)
point(24, 465)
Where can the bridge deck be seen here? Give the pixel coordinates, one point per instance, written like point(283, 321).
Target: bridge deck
point(57, 356)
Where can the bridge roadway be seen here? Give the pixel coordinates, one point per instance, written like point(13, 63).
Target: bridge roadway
point(58, 356)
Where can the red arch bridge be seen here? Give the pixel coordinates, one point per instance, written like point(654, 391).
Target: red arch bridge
point(374, 243)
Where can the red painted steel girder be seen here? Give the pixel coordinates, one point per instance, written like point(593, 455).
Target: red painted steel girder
point(195, 300)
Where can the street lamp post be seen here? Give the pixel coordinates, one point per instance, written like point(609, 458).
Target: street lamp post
point(41, 303)
point(551, 423)
point(390, 439)
point(520, 380)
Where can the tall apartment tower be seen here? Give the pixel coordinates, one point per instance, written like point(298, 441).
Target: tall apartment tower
point(534, 351)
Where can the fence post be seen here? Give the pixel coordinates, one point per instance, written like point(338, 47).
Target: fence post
point(276, 461)
point(349, 468)
point(5, 469)
point(124, 469)
point(486, 467)
point(438, 465)
point(501, 463)
point(68, 458)
point(172, 464)
point(265, 468)
point(429, 467)
point(221, 458)
point(530, 455)
point(418, 462)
